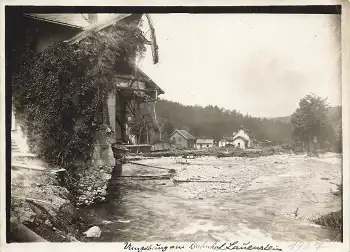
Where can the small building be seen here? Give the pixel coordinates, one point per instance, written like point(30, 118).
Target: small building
point(242, 139)
point(182, 139)
point(203, 143)
point(226, 140)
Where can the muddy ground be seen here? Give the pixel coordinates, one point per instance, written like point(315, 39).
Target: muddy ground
point(41, 203)
point(273, 197)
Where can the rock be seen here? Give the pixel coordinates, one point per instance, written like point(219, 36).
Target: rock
point(48, 223)
point(93, 232)
point(124, 221)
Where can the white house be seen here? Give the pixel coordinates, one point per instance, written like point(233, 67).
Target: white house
point(242, 139)
point(227, 140)
point(203, 143)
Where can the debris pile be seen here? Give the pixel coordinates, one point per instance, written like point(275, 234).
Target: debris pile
point(93, 185)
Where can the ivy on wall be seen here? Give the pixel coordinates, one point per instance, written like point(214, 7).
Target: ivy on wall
point(59, 94)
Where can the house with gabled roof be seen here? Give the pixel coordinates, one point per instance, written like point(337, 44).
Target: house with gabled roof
point(242, 138)
point(182, 139)
point(42, 30)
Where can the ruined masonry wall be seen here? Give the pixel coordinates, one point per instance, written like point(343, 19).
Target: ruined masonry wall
point(96, 175)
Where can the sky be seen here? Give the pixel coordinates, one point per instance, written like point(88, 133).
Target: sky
point(260, 64)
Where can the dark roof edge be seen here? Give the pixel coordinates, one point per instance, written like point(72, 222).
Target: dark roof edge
point(54, 22)
point(241, 137)
point(161, 91)
point(181, 134)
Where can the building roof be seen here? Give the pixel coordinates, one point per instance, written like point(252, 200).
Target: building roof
point(228, 138)
point(185, 134)
point(205, 141)
point(245, 139)
point(244, 129)
point(77, 20)
point(150, 82)
point(68, 19)
point(81, 21)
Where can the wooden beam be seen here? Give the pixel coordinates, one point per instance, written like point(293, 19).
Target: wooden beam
point(131, 77)
point(131, 109)
point(23, 234)
point(135, 89)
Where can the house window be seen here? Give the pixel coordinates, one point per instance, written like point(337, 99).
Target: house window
point(207, 145)
point(179, 138)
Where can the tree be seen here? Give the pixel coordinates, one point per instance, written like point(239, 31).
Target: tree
point(168, 128)
point(142, 128)
point(310, 121)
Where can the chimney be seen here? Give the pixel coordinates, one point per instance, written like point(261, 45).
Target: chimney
point(92, 18)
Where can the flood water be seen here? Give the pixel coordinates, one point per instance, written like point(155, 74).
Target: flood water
point(266, 198)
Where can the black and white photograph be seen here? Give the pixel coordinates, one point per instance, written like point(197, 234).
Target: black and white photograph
point(220, 130)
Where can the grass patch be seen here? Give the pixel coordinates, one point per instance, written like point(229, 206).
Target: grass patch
point(333, 220)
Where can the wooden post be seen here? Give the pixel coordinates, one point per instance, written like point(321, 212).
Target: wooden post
point(122, 116)
point(310, 145)
point(147, 134)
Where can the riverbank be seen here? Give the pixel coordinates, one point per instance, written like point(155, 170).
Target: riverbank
point(223, 199)
point(215, 152)
point(41, 204)
point(214, 194)
point(47, 202)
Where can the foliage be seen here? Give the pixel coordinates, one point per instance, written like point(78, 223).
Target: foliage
point(168, 128)
point(143, 126)
point(334, 219)
point(310, 120)
point(60, 93)
point(218, 122)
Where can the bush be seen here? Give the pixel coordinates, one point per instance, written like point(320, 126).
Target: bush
point(334, 220)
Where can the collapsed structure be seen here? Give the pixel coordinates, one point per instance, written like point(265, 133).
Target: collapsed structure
point(129, 88)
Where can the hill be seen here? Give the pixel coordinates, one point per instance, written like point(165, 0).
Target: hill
point(212, 121)
point(217, 122)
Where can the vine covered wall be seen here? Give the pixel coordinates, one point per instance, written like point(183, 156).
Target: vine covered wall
point(60, 94)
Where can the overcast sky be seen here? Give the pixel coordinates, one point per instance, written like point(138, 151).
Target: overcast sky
point(260, 64)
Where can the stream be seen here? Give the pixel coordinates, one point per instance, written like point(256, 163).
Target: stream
point(266, 198)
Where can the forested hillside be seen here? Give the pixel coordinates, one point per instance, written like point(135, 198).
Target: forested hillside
point(212, 121)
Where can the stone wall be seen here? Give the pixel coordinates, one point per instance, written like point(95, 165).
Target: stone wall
point(92, 177)
point(95, 176)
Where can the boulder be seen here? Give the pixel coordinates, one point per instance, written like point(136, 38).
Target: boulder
point(93, 232)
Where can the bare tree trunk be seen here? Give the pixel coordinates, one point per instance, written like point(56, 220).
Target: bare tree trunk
point(147, 134)
point(310, 145)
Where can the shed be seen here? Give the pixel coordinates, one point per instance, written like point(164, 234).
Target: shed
point(182, 139)
point(203, 143)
